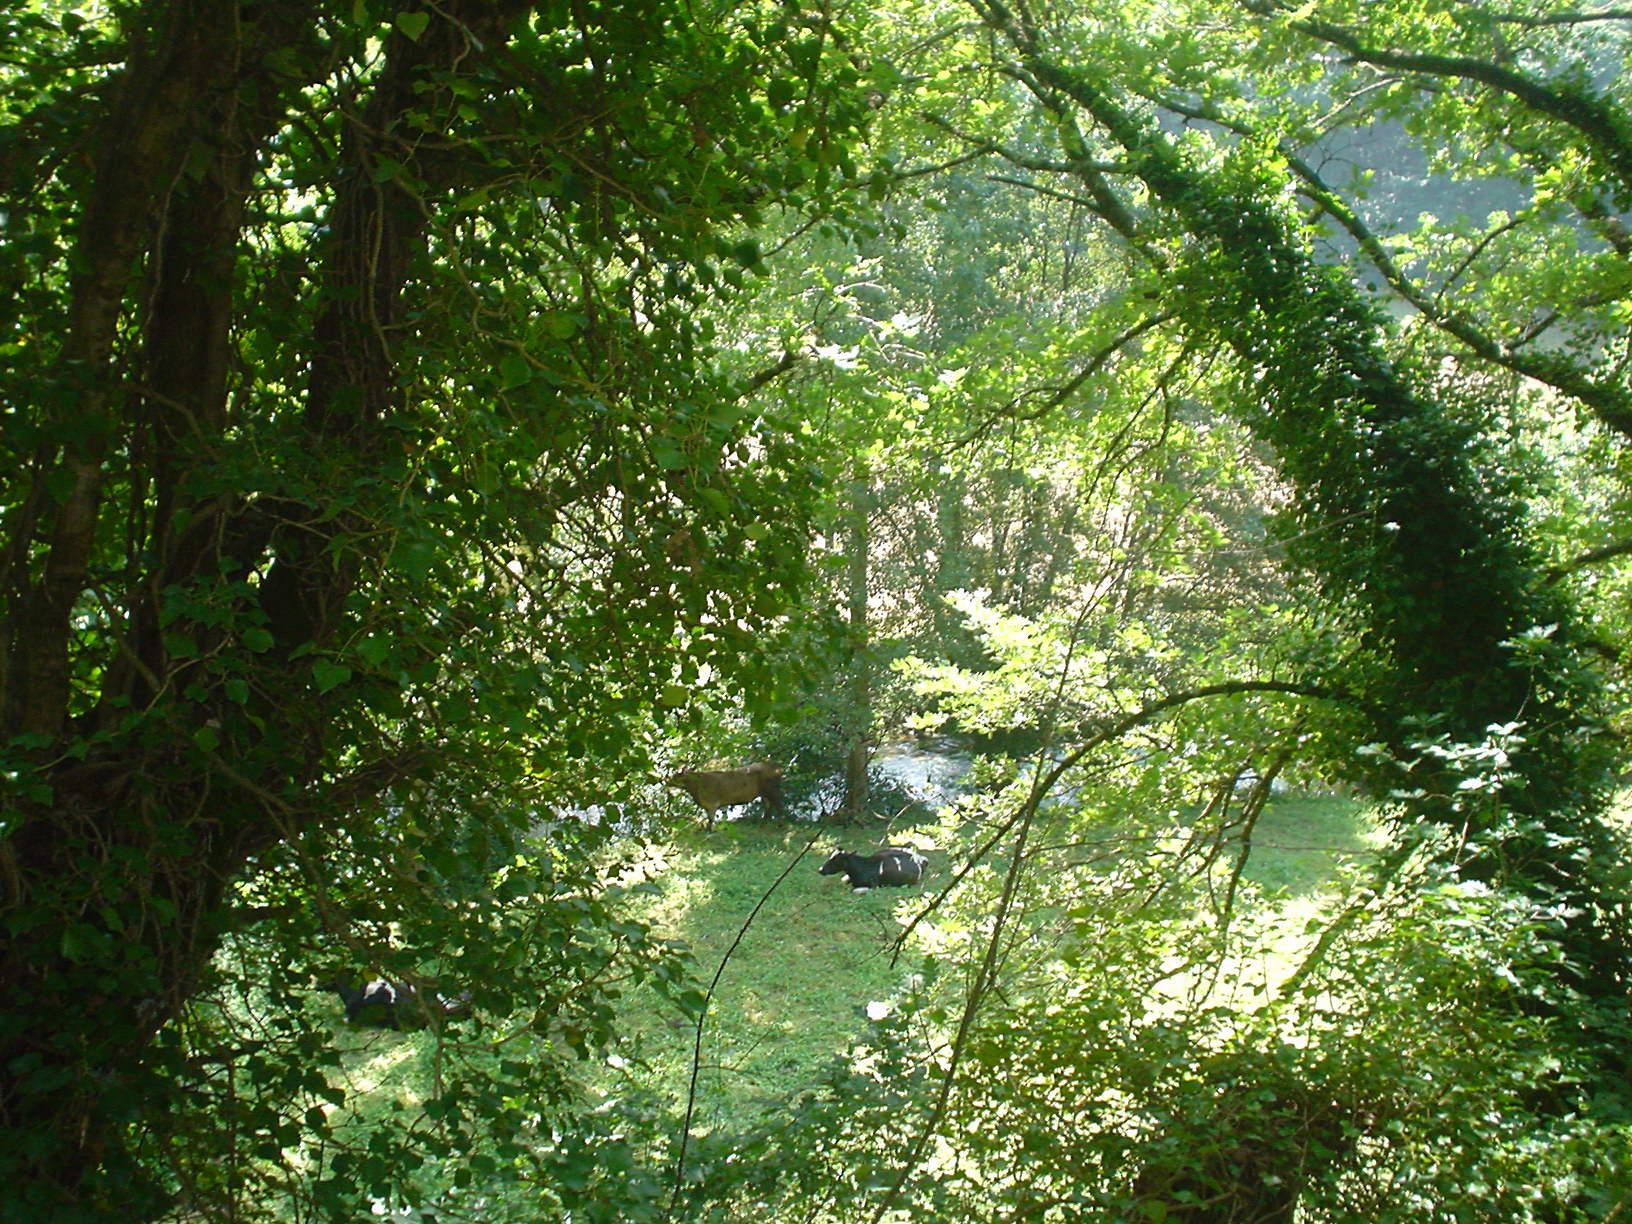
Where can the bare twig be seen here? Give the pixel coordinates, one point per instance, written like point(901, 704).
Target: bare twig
point(702, 1016)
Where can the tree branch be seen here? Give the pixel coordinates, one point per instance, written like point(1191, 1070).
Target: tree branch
point(1591, 557)
point(770, 373)
point(1607, 400)
point(1558, 19)
point(1597, 122)
point(1020, 826)
point(1053, 398)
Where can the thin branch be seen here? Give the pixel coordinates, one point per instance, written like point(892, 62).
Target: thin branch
point(983, 146)
point(1478, 249)
point(1020, 825)
point(901, 176)
point(702, 1015)
point(1608, 401)
point(770, 373)
point(1011, 410)
point(1598, 123)
point(1558, 19)
point(1098, 736)
point(1591, 557)
point(1050, 192)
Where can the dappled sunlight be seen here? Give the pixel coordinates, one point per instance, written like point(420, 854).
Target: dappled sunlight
point(495, 496)
point(792, 996)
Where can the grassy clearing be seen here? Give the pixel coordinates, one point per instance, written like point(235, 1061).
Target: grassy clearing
point(794, 991)
point(798, 977)
point(797, 980)
point(1300, 841)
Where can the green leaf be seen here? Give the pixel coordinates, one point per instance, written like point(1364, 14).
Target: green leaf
point(80, 942)
point(327, 674)
point(668, 455)
point(559, 324)
point(514, 371)
point(374, 650)
point(413, 25)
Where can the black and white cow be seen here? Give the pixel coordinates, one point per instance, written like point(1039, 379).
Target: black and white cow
point(392, 1005)
point(890, 867)
point(374, 1004)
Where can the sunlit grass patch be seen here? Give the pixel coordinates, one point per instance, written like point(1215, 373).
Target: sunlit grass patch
point(796, 979)
point(1301, 841)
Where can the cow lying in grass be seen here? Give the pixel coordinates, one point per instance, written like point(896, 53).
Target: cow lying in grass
point(392, 1005)
point(891, 867)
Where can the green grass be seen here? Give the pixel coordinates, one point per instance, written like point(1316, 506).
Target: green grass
point(802, 958)
point(1299, 842)
point(794, 988)
point(796, 979)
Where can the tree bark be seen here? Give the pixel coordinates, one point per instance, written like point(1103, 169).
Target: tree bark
point(119, 855)
point(857, 545)
point(155, 104)
point(1397, 523)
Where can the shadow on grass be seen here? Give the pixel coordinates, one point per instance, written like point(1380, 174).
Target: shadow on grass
point(1300, 842)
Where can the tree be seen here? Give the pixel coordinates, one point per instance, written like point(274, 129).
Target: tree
point(384, 471)
point(1390, 513)
point(362, 440)
point(1440, 662)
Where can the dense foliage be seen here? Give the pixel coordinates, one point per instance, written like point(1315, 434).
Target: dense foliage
point(369, 479)
point(423, 424)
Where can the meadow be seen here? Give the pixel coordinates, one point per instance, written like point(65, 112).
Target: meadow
point(794, 966)
point(799, 957)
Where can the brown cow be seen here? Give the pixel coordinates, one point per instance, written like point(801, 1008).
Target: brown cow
point(717, 788)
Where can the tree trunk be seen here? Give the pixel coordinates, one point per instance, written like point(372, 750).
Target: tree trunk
point(858, 541)
point(141, 145)
point(1396, 522)
point(143, 804)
